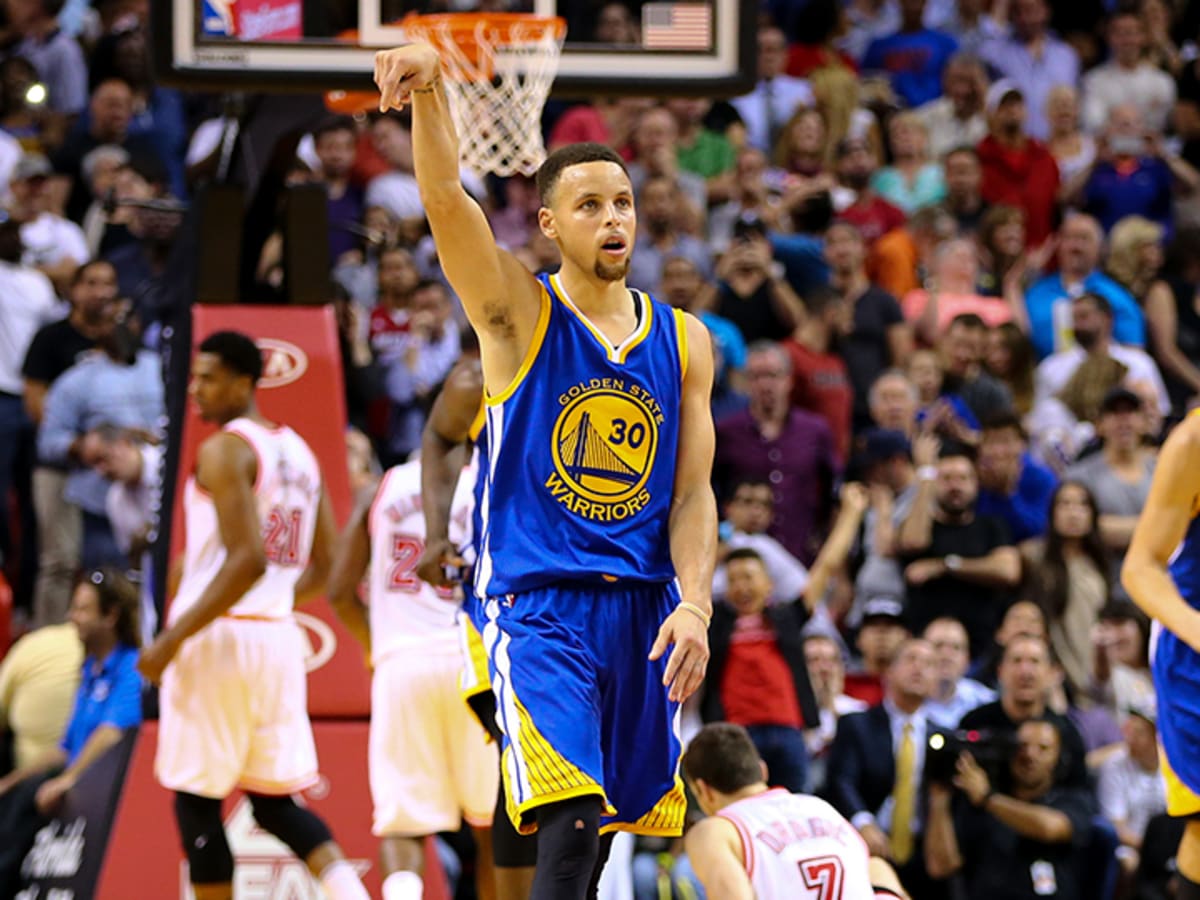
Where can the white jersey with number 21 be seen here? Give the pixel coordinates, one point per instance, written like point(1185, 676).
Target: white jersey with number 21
point(798, 847)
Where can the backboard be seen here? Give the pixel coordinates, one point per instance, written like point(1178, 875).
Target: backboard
point(639, 47)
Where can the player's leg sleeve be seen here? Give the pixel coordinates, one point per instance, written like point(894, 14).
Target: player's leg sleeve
point(301, 829)
point(202, 833)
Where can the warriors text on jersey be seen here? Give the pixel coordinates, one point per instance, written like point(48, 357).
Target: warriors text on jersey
point(581, 451)
point(287, 494)
point(799, 846)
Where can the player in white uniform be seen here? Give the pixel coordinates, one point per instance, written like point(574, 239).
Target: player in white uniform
point(768, 844)
point(431, 763)
point(233, 706)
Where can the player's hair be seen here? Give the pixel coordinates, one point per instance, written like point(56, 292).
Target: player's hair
point(968, 320)
point(819, 298)
point(82, 271)
point(1002, 420)
point(723, 757)
point(116, 592)
point(745, 553)
point(11, 245)
point(331, 124)
point(551, 170)
point(237, 352)
point(951, 449)
point(1101, 303)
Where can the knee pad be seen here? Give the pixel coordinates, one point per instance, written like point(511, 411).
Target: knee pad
point(569, 839)
point(203, 836)
point(296, 826)
point(510, 848)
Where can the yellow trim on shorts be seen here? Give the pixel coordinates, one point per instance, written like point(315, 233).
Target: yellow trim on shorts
point(1181, 799)
point(665, 818)
point(477, 663)
point(550, 776)
point(682, 338)
point(535, 346)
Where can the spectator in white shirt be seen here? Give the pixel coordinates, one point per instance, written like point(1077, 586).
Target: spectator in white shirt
point(954, 695)
point(748, 515)
point(1127, 78)
point(1131, 789)
point(55, 245)
point(956, 118)
point(776, 96)
point(1092, 319)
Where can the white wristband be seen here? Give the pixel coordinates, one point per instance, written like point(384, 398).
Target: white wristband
point(927, 473)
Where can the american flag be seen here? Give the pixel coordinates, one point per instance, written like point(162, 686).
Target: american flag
point(677, 26)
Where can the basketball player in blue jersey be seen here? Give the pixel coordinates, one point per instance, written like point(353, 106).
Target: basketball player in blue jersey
point(453, 423)
point(1162, 574)
point(598, 518)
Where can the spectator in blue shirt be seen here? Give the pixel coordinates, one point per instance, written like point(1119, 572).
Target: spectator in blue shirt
point(1012, 486)
point(913, 57)
point(104, 608)
point(118, 387)
point(1132, 174)
point(1048, 301)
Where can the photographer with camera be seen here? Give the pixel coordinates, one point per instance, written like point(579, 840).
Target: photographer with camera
point(1025, 677)
point(1022, 843)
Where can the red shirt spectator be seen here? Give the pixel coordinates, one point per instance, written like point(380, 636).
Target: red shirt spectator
point(1018, 170)
point(820, 380)
point(873, 216)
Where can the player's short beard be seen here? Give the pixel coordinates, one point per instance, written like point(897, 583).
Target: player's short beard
point(612, 271)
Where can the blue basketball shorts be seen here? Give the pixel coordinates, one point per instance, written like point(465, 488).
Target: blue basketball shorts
point(1176, 669)
point(583, 710)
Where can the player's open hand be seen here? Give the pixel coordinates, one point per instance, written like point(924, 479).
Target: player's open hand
point(403, 70)
point(438, 563)
point(689, 660)
point(153, 660)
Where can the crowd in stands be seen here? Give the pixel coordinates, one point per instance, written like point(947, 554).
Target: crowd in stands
point(949, 254)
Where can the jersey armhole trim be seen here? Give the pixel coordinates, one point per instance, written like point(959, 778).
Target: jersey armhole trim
point(478, 422)
point(379, 493)
point(747, 843)
point(531, 355)
point(258, 459)
point(682, 338)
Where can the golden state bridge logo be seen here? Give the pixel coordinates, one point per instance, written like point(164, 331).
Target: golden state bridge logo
point(603, 446)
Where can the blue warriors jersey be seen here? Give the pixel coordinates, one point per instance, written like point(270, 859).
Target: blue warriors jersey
point(1176, 668)
point(581, 452)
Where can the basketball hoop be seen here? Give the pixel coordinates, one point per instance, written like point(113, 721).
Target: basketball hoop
point(498, 70)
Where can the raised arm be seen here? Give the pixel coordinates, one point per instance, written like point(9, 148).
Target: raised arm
point(693, 523)
point(1165, 519)
point(225, 467)
point(501, 298)
point(715, 851)
point(446, 431)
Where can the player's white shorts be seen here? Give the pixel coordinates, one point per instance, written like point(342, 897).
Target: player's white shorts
point(431, 764)
point(234, 712)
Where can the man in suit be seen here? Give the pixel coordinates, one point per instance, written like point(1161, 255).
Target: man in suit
point(876, 764)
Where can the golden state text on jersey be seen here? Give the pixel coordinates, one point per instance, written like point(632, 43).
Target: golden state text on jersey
point(580, 452)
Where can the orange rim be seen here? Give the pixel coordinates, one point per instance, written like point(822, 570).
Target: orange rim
point(500, 29)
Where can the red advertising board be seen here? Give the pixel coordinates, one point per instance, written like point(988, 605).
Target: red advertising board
point(301, 387)
point(144, 858)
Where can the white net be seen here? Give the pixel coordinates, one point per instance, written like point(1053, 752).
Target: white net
point(498, 76)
